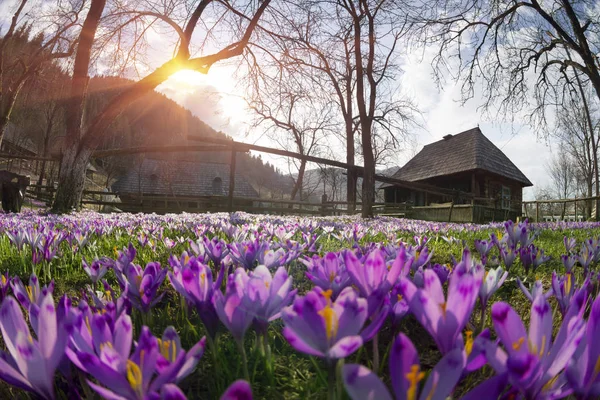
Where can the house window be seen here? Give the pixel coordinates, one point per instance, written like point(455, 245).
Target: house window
point(505, 198)
point(217, 187)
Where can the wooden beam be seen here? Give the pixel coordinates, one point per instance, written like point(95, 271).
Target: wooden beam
point(157, 149)
point(319, 160)
point(32, 158)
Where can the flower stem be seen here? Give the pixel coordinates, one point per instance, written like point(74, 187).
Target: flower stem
point(376, 352)
point(331, 380)
point(244, 360)
point(482, 327)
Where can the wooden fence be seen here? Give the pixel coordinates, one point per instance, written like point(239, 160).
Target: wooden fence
point(165, 204)
point(576, 209)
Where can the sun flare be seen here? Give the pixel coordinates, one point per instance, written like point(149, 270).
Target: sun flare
point(219, 81)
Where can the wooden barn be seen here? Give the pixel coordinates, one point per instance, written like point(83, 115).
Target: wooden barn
point(467, 162)
point(157, 185)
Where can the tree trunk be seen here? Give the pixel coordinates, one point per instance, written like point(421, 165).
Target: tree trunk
point(71, 180)
point(368, 184)
point(298, 186)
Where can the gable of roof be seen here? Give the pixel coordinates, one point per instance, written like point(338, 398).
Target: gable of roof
point(181, 178)
point(466, 151)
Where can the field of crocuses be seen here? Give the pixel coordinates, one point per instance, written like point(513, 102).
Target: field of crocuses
point(210, 306)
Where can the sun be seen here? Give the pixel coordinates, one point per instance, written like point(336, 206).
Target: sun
point(218, 80)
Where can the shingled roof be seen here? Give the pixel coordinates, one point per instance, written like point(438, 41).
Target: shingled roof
point(466, 151)
point(182, 178)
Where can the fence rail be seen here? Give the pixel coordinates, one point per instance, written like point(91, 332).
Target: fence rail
point(162, 203)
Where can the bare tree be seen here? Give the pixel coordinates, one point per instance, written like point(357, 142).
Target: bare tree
point(82, 134)
point(22, 56)
point(349, 49)
point(562, 173)
point(501, 45)
point(580, 143)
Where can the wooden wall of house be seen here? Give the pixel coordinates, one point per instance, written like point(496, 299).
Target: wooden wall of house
point(493, 189)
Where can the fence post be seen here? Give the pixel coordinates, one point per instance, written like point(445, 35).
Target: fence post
point(231, 180)
point(537, 211)
point(576, 211)
point(450, 213)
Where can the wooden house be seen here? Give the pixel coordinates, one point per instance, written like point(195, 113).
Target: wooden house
point(158, 185)
point(486, 185)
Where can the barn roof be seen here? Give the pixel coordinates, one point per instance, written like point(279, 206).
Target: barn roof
point(181, 178)
point(466, 151)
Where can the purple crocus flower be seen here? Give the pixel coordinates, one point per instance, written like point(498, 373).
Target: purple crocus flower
point(272, 258)
point(483, 247)
point(442, 271)
point(318, 326)
point(492, 281)
point(508, 255)
point(570, 244)
point(30, 363)
point(267, 295)
point(246, 253)
point(194, 281)
point(232, 307)
point(406, 375)
point(216, 249)
point(583, 371)
point(141, 285)
point(585, 257)
point(564, 288)
point(327, 272)
point(153, 365)
point(536, 290)
point(125, 257)
point(443, 319)
point(372, 277)
point(238, 390)
point(533, 361)
point(32, 293)
point(96, 270)
point(568, 261)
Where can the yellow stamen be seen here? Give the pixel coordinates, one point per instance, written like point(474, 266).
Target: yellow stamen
point(30, 292)
point(108, 295)
point(330, 317)
point(400, 297)
point(87, 324)
point(549, 384)
point(202, 278)
point(413, 377)
point(443, 308)
point(469, 342)
point(186, 260)
point(105, 345)
point(568, 284)
point(517, 345)
point(331, 277)
point(267, 284)
point(115, 251)
point(3, 280)
point(134, 376)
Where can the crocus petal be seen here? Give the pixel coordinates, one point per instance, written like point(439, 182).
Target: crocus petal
point(540, 326)
point(105, 393)
point(238, 390)
point(491, 388)
point(171, 392)
point(299, 344)
point(403, 356)
point(345, 346)
point(509, 327)
point(444, 376)
point(13, 377)
point(362, 384)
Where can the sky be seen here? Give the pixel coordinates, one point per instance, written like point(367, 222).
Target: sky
point(215, 99)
